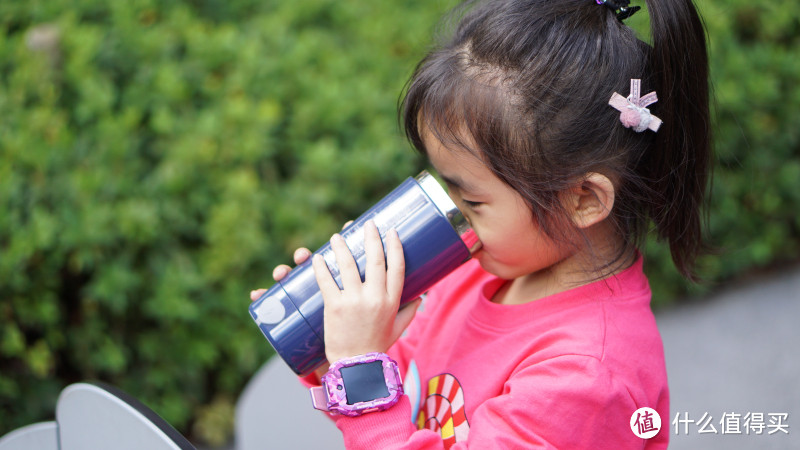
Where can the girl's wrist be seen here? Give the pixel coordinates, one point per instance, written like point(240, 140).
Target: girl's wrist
point(332, 359)
point(322, 370)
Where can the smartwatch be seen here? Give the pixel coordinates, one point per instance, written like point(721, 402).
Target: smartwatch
point(358, 385)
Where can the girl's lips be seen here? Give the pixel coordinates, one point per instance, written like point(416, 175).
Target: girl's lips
point(476, 254)
point(476, 248)
point(470, 239)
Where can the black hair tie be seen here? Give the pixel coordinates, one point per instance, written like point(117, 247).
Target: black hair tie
point(620, 8)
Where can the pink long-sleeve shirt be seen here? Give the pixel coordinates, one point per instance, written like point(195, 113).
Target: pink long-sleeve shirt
point(565, 371)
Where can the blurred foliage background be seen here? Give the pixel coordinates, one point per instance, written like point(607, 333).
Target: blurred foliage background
point(159, 157)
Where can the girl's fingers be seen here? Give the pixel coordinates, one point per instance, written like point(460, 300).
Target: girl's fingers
point(301, 255)
point(348, 270)
point(396, 266)
point(327, 285)
point(256, 294)
point(375, 272)
point(280, 272)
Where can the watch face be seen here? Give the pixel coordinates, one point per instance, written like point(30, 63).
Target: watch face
point(358, 385)
point(364, 382)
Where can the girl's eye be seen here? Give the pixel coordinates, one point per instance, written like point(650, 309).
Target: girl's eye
point(471, 204)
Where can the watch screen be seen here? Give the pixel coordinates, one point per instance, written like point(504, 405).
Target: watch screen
point(364, 382)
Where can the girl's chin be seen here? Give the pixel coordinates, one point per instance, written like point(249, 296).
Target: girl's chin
point(489, 265)
point(496, 268)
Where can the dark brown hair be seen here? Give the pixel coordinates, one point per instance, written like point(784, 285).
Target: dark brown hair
point(530, 80)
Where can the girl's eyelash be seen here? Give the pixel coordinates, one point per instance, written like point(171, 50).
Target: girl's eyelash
point(471, 204)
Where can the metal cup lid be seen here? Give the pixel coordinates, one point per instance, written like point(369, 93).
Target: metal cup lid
point(447, 207)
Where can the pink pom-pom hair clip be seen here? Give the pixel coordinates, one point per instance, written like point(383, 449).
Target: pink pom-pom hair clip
point(633, 110)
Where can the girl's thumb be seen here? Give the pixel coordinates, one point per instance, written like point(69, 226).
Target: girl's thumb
point(404, 318)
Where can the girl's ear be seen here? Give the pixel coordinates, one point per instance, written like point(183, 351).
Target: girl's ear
point(590, 200)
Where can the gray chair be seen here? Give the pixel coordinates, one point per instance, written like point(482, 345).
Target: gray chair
point(94, 417)
point(39, 436)
point(274, 411)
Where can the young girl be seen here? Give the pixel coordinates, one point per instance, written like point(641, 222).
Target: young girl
point(534, 115)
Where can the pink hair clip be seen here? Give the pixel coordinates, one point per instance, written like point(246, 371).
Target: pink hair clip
point(633, 110)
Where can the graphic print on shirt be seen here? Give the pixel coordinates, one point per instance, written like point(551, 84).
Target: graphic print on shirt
point(412, 388)
point(443, 410)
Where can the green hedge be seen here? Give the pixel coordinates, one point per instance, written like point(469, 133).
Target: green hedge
point(158, 158)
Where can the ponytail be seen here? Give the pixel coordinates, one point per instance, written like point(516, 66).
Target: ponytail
point(679, 164)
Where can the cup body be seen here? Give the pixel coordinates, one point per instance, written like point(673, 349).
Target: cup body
point(436, 239)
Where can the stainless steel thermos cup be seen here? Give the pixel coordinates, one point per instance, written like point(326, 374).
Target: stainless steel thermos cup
point(436, 239)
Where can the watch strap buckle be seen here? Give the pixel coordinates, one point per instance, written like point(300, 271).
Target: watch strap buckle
point(319, 398)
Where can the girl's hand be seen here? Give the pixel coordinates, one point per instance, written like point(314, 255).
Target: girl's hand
point(402, 319)
point(363, 317)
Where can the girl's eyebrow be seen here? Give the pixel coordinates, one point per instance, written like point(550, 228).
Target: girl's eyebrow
point(458, 183)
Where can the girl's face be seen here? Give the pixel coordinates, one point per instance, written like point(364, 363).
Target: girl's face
point(513, 245)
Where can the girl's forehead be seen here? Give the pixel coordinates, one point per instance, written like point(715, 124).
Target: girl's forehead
point(457, 166)
point(459, 147)
point(455, 139)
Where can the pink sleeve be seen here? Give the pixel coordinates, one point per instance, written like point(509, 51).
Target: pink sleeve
point(310, 380)
point(566, 402)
